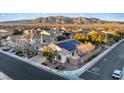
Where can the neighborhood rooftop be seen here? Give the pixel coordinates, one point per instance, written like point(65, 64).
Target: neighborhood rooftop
point(69, 45)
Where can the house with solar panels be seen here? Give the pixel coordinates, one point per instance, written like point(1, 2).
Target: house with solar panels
point(67, 52)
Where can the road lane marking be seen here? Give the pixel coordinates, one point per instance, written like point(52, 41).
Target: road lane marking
point(104, 59)
point(96, 69)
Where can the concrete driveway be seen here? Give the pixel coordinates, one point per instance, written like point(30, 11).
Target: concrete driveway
point(38, 59)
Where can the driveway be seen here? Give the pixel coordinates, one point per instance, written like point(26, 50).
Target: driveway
point(38, 59)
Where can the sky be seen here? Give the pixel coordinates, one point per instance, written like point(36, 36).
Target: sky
point(21, 16)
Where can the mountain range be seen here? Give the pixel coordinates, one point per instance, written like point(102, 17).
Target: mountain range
point(63, 20)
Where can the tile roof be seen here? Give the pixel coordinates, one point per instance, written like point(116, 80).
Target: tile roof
point(36, 36)
point(11, 39)
point(36, 44)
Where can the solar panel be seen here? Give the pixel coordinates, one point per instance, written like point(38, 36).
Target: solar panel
point(69, 45)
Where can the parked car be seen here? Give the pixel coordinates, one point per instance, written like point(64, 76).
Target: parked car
point(117, 74)
point(6, 49)
point(20, 53)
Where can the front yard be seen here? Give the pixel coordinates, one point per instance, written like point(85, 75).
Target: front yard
point(68, 66)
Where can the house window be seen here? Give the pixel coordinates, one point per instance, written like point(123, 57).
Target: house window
point(44, 41)
point(67, 59)
point(72, 53)
point(37, 48)
point(77, 51)
point(59, 57)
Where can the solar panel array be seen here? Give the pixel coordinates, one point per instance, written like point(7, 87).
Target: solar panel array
point(69, 45)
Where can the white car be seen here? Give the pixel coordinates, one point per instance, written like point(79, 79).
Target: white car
point(117, 74)
point(6, 49)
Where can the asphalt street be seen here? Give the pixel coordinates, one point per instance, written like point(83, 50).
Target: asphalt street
point(103, 69)
point(19, 70)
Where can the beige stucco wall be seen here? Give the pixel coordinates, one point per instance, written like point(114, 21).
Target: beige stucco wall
point(75, 61)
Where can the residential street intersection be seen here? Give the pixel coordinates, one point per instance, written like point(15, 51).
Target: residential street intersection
point(103, 69)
